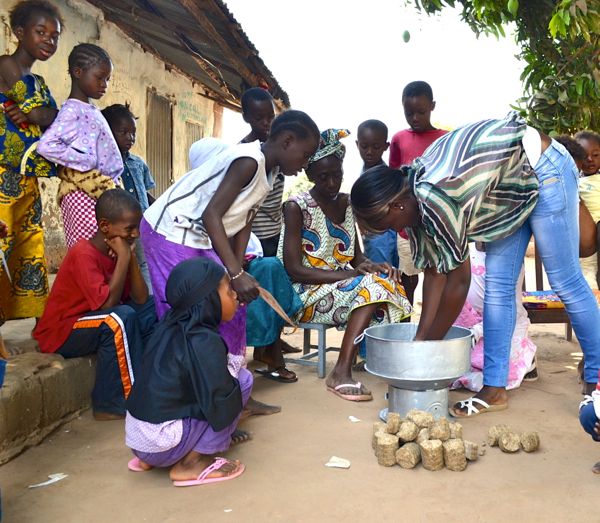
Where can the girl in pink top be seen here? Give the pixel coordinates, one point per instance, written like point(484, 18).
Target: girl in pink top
point(81, 143)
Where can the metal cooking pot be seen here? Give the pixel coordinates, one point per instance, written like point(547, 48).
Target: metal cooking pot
point(393, 355)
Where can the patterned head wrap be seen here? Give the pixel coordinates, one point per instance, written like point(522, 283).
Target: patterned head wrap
point(330, 144)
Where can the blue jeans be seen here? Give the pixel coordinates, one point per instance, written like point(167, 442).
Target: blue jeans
point(588, 419)
point(380, 248)
point(554, 223)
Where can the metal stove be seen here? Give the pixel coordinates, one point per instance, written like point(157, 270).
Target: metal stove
point(418, 373)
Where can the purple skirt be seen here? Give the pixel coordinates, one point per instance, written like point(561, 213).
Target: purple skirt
point(162, 256)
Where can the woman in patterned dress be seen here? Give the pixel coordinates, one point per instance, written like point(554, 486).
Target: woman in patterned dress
point(26, 109)
point(476, 184)
point(336, 282)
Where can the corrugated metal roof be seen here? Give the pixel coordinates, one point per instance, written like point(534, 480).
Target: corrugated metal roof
point(201, 39)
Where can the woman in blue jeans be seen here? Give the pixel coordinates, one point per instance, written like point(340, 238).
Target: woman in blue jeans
point(477, 184)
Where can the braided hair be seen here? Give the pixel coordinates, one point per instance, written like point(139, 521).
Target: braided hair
point(297, 122)
point(84, 56)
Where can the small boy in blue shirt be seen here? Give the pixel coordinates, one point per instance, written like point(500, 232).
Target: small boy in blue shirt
point(136, 176)
point(372, 142)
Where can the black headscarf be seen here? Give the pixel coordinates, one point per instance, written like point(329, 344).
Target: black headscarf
point(184, 367)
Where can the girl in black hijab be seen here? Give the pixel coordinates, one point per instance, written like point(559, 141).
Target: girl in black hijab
point(184, 404)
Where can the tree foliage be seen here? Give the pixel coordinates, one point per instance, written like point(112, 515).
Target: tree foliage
point(560, 45)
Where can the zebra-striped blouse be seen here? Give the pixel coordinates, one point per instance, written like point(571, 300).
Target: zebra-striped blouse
point(472, 184)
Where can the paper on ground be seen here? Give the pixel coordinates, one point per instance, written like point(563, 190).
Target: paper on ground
point(353, 419)
point(338, 463)
point(53, 479)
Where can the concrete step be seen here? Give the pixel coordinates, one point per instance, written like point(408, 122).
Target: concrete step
point(40, 392)
point(17, 336)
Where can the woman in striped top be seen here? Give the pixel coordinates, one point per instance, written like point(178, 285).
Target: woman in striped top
point(476, 184)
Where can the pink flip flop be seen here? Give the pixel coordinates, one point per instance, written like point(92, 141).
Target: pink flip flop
point(134, 465)
point(202, 479)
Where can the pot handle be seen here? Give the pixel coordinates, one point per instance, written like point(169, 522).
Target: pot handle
point(359, 338)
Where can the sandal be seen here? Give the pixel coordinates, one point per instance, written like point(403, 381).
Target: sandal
point(202, 478)
point(360, 396)
point(472, 410)
point(276, 375)
point(532, 374)
point(134, 464)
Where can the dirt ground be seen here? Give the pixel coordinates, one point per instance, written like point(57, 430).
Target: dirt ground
point(286, 479)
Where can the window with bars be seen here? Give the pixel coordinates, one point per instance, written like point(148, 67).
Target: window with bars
point(159, 140)
point(193, 132)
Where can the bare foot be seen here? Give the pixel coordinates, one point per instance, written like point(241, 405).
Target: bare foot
point(257, 408)
point(240, 436)
point(193, 464)
point(107, 416)
point(144, 465)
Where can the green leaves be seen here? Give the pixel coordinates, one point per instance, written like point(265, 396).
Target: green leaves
point(560, 44)
point(559, 23)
